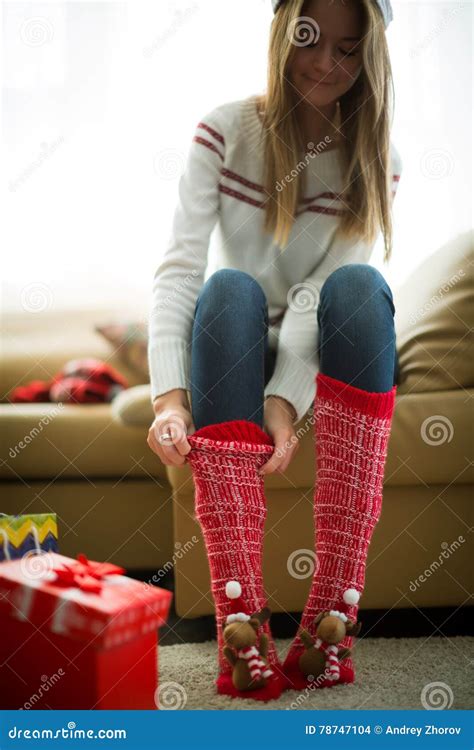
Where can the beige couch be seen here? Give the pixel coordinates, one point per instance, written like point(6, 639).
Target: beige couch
point(92, 466)
point(112, 497)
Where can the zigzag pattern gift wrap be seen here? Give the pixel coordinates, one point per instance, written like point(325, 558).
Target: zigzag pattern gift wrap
point(20, 535)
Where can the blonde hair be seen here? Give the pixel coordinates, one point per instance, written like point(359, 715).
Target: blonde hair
point(364, 123)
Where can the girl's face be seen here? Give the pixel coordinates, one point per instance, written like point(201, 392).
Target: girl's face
point(327, 50)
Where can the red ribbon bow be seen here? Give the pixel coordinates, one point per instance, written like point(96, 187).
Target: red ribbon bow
point(85, 574)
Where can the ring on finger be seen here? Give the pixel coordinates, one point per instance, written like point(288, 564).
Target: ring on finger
point(166, 436)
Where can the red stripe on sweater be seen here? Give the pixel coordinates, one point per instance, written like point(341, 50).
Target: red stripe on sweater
point(322, 210)
point(243, 180)
point(325, 196)
point(260, 204)
point(207, 144)
point(259, 188)
point(334, 196)
point(240, 196)
point(329, 211)
point(212, 132)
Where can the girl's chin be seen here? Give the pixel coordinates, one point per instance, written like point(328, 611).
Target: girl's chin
point(320, 91)
point(318, 97)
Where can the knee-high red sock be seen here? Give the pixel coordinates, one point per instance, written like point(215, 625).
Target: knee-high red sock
point(230, 506)
point(352, 429)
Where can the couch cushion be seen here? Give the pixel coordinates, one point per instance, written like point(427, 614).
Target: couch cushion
point(133, 406)
point(434, 319)
point(130, 339)
point(80, 441)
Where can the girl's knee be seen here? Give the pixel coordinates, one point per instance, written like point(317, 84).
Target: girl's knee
point(230, 286)
point(355, 280)
point(355, 275)
point(355, 286)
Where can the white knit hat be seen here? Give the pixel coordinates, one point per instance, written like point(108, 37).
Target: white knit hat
point(384, 5)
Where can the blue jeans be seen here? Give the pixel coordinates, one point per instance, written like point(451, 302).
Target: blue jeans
point(231, 361)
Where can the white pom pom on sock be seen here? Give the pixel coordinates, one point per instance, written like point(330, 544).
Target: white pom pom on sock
point(233, 589)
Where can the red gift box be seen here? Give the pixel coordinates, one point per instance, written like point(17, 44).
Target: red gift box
point(77, 634)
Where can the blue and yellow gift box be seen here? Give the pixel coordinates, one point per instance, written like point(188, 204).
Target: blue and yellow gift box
point(20, 535)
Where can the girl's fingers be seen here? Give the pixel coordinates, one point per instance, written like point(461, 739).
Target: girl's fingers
point(172, 455)
point(282, 467)
point(282, 455)
point(155, 446)
point(176, 450)
point(288, 457)
point(167, 454)
point(284, 464)
point(273, 463)
point(180, 440)
point(268, 467)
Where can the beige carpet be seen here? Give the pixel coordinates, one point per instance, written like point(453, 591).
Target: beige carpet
point(392, 673)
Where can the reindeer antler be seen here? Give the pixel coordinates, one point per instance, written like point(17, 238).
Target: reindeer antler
point(262, 616)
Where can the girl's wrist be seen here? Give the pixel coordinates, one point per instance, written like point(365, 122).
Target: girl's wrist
point(175, 398)
point(285, 405)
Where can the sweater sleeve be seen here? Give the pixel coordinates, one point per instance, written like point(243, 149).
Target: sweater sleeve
point(297, 360)
point(180, 275)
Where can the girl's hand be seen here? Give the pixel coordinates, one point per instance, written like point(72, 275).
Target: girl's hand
point(279, 415)
point(172, 416)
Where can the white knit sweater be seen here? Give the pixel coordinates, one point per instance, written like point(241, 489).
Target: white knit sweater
point(221, 189)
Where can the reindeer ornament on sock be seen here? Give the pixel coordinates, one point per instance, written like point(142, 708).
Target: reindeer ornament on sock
point(321, 654)
point(250, 669)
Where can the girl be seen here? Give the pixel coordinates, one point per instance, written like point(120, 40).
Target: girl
point(299, 182)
